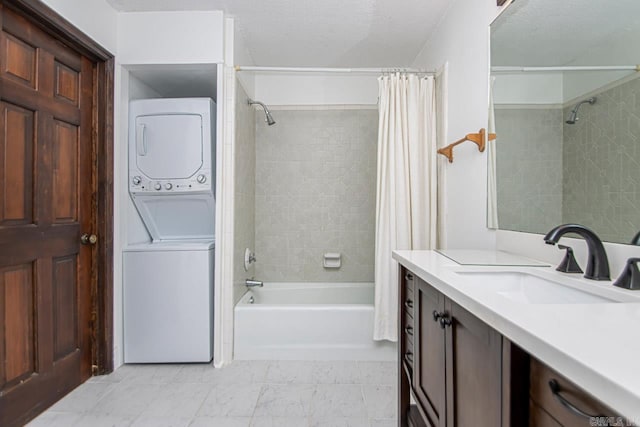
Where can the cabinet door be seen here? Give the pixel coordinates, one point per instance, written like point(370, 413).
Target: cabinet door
point(429, 341)
point(474, 355)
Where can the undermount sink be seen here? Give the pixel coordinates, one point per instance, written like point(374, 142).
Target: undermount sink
point(531, 289)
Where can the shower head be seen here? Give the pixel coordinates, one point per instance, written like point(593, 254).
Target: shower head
point(267, 113)
point(573, 116)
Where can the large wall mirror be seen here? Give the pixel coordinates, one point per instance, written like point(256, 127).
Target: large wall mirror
point(565, 90)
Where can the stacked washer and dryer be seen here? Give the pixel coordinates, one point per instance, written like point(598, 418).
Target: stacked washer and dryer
point(168, 282)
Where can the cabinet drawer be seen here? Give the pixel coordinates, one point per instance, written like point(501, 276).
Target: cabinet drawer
point(538, 417)
point(409, 285)
point(408, 357)
point(562, 399)
point(408, 326)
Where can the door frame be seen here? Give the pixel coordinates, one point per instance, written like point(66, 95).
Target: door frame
point(103, 115)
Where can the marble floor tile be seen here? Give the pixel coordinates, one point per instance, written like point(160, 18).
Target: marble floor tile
point(96, 420)
point(161, 421)
point(242, 394)
point(220, 422)
point(380, 401)
point(339, 372)
point(233, 400)
point(384, 423)
point(284, 400)
point(339, 422)
point(150, 374)
point(83, 398)
point(336, 401)
point(178, 400)
point(290, 371)
point(279, 422)
point(237, 372)
point(56, 419)
point(242, 372)
point(126, 399)
point(378, 372)
point(195, 373)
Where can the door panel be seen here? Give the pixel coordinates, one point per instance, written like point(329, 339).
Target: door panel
point(47, 201)
point(65, 172)
point(474, 364)
point(17, 289)
point(17, 157)
point(65, 310)
point(20, 62)
point(67, 87)
point(429, 374)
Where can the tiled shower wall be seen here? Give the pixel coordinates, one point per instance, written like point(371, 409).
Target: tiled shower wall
point(602, 164)
point(529, 168)
point(245, 167)
point(315, 193)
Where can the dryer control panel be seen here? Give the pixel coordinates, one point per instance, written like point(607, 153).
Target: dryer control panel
point(199, 182)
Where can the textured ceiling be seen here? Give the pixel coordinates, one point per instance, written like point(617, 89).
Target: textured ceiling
point(321, 33)
point(568, 32)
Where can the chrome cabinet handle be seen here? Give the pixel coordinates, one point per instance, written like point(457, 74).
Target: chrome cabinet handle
point(408, 304)
point(436, 315)
point(408, 330)
point(555, 390)
point(408, 277)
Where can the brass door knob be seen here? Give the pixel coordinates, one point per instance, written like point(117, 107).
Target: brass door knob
point(88, 239)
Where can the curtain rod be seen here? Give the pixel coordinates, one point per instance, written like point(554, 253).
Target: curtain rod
point(330, 70)
point(568, 68)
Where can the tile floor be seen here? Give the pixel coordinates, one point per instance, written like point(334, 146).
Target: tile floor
point(243, 394)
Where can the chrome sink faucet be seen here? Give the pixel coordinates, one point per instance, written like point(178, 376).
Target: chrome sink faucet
point(252, 283)
point(597, 262)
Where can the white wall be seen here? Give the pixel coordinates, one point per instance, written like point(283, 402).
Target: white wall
point(171, 37)
point(462, 40)
point(95, 18)
point(316, 89)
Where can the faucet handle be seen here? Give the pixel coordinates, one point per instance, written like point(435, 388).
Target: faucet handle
point(630, 276)
point(569, 263)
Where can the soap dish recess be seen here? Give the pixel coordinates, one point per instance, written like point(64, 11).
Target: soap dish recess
point(332, 260)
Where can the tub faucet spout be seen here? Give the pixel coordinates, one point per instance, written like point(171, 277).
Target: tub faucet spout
point(252, 283)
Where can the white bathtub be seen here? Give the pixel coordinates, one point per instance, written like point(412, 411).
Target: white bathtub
point(308, 321)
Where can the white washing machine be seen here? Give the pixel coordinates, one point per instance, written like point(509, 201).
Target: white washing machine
point(168, 301)
point(168, 283)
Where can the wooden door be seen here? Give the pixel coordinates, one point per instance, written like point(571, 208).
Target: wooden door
point(429, 367)
point(46, 203)
point(474, 366)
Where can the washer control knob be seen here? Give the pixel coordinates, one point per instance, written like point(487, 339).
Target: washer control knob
point(158, 186)
point(168, 186)
point(201, 179)
point(136, 180)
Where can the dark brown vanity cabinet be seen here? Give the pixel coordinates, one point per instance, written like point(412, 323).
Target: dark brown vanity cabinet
point(463, 373)
point(456, 368)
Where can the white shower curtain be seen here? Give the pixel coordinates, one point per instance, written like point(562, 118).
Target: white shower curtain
point(406, 204)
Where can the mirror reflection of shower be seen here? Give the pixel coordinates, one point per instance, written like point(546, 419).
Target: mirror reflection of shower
point(267, 113)
point(573, 116)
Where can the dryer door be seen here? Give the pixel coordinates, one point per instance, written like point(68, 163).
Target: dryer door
point(169, 146)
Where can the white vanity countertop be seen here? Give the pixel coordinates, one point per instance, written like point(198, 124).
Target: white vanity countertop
point(597, 346)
